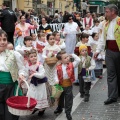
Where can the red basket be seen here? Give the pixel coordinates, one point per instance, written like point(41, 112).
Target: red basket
point(20, 102)
point(21, 105)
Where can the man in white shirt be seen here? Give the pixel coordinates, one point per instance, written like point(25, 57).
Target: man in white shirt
point(109, 38)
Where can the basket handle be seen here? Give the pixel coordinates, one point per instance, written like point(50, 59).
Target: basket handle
point(28, 102)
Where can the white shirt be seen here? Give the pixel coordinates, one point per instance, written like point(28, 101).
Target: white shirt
point(19, 60)
point(110, 36)
point(110, 32)
point(87, 21)
point(65, 75)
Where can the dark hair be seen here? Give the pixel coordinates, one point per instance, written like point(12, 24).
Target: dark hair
point(3, 32)
point(22, 16)
point(55, 33)
point(27, 15)
point(27, 38)
point(112, 7)
point(93, 35)
point(84, 35)
point(5, 4)
point(96, 21)
point(69, 16)
point(41, 35)
point(48, 36)
point(59, 55)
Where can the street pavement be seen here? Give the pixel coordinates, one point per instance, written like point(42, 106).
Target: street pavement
point(92, 110)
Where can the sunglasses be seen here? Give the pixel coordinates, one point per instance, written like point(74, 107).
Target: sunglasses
point(70, 18)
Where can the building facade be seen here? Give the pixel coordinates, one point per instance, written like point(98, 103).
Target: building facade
point(97, 5)
point(49, 6)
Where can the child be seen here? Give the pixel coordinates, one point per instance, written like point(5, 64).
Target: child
point(12, 71)
point(65, 76)
point(37, 82)
point(40, 44)
point(34, 37)
point(50, 51)
point(96, 27)
point(10, 46)
point(27, 45)
point(58, 41)
point(86, 65)
point(99, 65)
point(87, 30)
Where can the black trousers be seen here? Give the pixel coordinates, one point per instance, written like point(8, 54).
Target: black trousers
point(6, 90)
point(10, 37)
point(66, 100)
point(84, 87)
point(113, 73)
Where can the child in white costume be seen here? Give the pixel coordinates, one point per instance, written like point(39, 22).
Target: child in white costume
point(58, 41)
point(101, 57)
point(37, 81)
point(40, 44)
point(50, 51)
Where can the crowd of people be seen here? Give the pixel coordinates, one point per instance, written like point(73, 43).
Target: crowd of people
point(46, 59)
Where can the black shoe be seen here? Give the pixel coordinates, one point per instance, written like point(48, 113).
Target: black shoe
point(82, 95)
point(86, 98)
point(35, 111)
point(109, 101)
point(58, 110)
point(41, 113)
point(69, 117)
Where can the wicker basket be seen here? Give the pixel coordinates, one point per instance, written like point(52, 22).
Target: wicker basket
point(51, 61)
point(21, 105)
point(56, 91)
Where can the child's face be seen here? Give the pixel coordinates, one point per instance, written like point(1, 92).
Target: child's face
point(87, 27)
point(51, 40)
point(96, 24)
point(3, 42)
point(28, 43)
point(96, 37)
point(57, 37)
point(33, 58)
point(34, 37)
point(42, 38)
point(10, 47)
point(85, 40)
point(83, 52)
point(65, 58)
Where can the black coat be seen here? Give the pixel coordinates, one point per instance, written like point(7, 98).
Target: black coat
point(8, 19)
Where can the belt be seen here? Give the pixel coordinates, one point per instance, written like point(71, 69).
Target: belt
point(66, 83)
point(112, 45)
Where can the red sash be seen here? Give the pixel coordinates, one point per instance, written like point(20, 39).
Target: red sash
point(39, 48)
point(90, 22)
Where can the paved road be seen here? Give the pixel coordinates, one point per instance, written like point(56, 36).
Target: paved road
point(93, 110)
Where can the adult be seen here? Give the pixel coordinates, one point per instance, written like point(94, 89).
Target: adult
point(8, 19)
point(70, 30)
point(11, 70)
point(84, 7)
point(110, 38)
point(23, 29)
point(45, 27)
point(88, 20)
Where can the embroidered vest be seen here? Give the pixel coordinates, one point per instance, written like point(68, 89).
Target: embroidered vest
point(116, 31)
point(70, 72)
point(89, 23)
point(11, 64)
point(87, 63)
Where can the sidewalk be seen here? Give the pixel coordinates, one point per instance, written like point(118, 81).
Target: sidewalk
point(95, 108)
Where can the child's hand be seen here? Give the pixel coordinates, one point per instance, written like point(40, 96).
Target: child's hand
point(31, 76)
